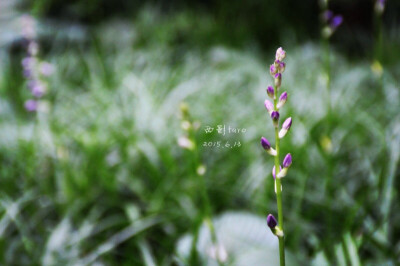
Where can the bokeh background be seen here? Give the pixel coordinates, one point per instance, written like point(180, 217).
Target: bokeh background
point(92, 174)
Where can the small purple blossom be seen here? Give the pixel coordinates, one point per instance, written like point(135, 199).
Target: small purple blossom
point(38, 90)
point(265, 143)
point(336, 21)
point(46, 69)
point(31, 105)
point(282, 99)
point(28, 62)
point(280, 54)
point(271, 92)
point(271, 221)
point(273, 69)
point(269, 106)
point(285, 127)
point(287, 124)
point(278, 79)
point(282, 67)
point(287, 161)
point(275, 116)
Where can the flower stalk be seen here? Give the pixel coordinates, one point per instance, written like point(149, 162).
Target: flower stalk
point(276, 70)
point(188, 142)
point(35, 70)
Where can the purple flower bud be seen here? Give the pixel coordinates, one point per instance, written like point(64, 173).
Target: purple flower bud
point(282, 67)
point(271, 92)
point(27, 73)
point(282, 99)
point(46, 69)
point(269, 106)
point(38, 90)
point(273, 69)
point(267, 146)
point(265, 143)
point(287, 161)
point(31, 105)
point(336, 21)
point(287, 124)
point(273, 170)
point(280, 54)
point(275, 117)
point(271, 221)
point(285, 127)
point(28, 62)
point(278, 79)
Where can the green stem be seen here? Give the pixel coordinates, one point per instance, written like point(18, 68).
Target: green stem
point(279, 189)
point(206, 212)
point(327, 63)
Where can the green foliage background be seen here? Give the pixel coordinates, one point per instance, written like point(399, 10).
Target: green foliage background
point(99, 177)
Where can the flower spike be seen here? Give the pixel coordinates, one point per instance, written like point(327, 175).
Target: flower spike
point(276, 70)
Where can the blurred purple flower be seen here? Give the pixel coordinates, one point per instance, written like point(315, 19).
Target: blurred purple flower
point(46, 69)
point(31, 105)
point(38, 90)
point(336, 21)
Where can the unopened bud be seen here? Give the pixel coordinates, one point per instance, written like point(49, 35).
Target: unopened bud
point(282, 100)
point(275, 117)
point(267, 146)
point(280, 54)
point(269, 106)
point(271, 92)
point(278, 79)
point(285, 127)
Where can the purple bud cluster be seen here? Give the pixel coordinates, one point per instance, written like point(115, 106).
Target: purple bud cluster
point(278, 171)
point(34, 70)
point(331, 21)
point(276, 69)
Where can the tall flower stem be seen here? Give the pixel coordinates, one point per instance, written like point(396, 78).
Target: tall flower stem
point(279, 189)
point(276, 70)
point(198, 173)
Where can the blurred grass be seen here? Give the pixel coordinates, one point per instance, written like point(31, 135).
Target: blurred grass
point(99, 176)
